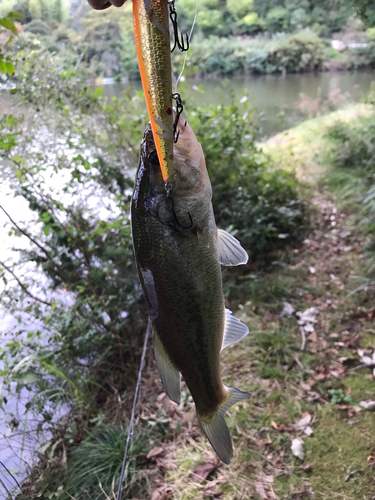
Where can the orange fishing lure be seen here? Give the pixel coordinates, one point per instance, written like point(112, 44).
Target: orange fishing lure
point(151, 28)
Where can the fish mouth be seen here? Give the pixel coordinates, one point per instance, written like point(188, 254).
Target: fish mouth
point(149, 147)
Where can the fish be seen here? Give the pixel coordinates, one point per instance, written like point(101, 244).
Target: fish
point(152, 40)
point(179, 252)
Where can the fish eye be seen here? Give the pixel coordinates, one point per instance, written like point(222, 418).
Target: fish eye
point(153, 157)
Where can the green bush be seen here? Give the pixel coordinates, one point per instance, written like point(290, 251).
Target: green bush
point(99, 459)
point(38, 27)
point(352, 161)
point(260, 204)
point(278, 20)
point(298, 53)
point(354, 145)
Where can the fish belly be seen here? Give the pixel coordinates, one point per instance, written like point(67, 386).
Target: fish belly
point(181, 278)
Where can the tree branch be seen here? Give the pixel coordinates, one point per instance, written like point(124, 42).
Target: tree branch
point(46, 252)
point(24, 288)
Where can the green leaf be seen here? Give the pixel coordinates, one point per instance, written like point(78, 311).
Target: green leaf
point(15, 15)
point(18, 159)
point(97, 92)
point(10, 40)
point(9, 25)
point(10, 68)
point(3, 66)
point(47, 230)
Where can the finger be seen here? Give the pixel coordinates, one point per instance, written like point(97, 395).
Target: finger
point(117, 3)
point(99, 4)
point(104, 4)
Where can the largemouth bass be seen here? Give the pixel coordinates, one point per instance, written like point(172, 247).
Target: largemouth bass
point(179, 251)
point(151, 30)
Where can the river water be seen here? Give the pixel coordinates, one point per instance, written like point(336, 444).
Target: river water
point(274, 97)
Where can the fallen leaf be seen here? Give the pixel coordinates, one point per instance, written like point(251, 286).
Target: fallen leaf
point(313, 337)
point(307, 467)
point(297, 448)
point(278, 427)
point(265, 492)
point(161, 396)
point(367, 360)
point(367, 405)
point(288, 309)
point(155, 452)
point(353, 422)
point(165, 492)
point(202, 472)
point(303, 424)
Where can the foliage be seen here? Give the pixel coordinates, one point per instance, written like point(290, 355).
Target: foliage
point(339, 396)
point(264, 207)
point(83, 249)
point(229, 36)
point(352, 157)
point(354, 145)
point(277, 20)
point(298, 53)
point(38, 27)
point(8, 27)
point(98, 461)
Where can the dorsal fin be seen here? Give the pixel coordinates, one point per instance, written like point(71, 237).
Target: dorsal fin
point(234, 331)
point(230, 251)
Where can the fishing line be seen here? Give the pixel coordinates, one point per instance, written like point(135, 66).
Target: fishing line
point(130, 433)
point(190, 35)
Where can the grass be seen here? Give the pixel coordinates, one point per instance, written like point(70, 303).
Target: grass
point(98, 459)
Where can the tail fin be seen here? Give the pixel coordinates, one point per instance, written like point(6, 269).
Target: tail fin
point(216, 429)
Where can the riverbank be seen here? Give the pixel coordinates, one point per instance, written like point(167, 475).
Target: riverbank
point(312, 395)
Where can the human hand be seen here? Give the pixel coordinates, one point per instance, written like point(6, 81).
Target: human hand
point(104, 4)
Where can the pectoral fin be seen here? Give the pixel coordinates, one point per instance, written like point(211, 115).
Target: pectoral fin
point(234, 331)
point(216, 429)
point(168, 373)
point(230, 251)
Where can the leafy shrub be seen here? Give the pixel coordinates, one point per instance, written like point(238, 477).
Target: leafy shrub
point(278, 20)
point(298, 53)
point(99, 459)
point(38, 27)
point(354, 144)
point(352, 158)
point(89, 302)
point(259, 203)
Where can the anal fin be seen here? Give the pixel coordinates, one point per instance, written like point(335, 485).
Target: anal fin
point(234, 331)
point(230, 251)
point(168, 373)
point(216, 429)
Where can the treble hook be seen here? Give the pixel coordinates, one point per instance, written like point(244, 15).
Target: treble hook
point(179, 108)
point(173, 17)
